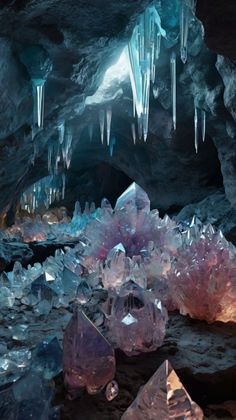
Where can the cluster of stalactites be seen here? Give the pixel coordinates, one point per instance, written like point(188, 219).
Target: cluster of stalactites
point(143, 52)
point(60, 151)
point(43, 193)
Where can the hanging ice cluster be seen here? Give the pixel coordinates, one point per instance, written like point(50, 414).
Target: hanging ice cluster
point(143, 52)
point(60, 149)
point(43, 193)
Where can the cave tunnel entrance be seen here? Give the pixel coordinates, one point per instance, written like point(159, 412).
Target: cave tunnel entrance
point(92, 184)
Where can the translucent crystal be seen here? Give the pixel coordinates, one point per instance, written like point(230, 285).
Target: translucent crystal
point(163, 397)
point(7, 298)
point(136, 321)
point(89, 360)
point(133, 132)
point(206, 265)
point(184, 29)
point(47, 358)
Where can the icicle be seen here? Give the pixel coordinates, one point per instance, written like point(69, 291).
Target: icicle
point(196, 129)
point(184, 28)
point(90, 131)
point(133, 132)
point(50, 149)
point(155, 91)
point(142, 52)
point(173, 87)
point(38, 101)
point(102, 123)
point(63, 186)
point(108, 118)
point(112, 144)
point(203, 121)
point(61, 130)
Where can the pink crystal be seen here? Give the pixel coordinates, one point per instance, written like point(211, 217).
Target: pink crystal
point(135, 320)
point(203, 279)
point(163, 397)
point(89, 360)
point(131, 224)
point(112, 390)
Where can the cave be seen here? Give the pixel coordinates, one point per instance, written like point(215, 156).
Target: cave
point(117, 209)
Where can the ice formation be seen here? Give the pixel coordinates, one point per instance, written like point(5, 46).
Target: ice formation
point(163, 397)
point(89, 360)
point(206, 264)
point(43, 193)
point(143, 51)
point(187, 8)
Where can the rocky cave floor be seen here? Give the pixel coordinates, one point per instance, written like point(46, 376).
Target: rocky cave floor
point(204, 357)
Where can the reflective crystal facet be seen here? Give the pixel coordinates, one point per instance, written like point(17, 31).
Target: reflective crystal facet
point(163, 397)
point(89, 360)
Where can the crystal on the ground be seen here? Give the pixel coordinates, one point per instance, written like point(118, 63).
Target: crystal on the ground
point(163, 397)
point(88, 358)
point(136, 322)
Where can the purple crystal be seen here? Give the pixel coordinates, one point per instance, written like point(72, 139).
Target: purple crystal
point(203, 279)
point(135, 320)
point(88, 360)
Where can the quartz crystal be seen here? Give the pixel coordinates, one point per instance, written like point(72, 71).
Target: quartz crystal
point(203, 278)
point(47, 358)
point(135, 320)
point(89, 360)
point(163, 397)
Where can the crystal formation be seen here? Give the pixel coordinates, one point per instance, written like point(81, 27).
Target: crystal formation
point(89, 360)
point(136, 320)
point(163, 397)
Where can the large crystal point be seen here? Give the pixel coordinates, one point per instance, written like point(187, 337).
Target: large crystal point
point(173, 87)
point(134, 196)
point(136, 322)
point(163, 397)
point(89, 360)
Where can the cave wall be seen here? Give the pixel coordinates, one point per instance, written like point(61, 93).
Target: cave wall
point(82, 39)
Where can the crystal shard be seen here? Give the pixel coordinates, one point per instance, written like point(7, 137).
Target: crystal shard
point(108, 119)
point(102, 123)
point(89, 360)
point(163, 397)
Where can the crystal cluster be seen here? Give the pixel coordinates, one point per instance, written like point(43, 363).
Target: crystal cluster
point(133, 225)
point(135, 320)
point(203, 278)
point(89, 360)
point(163, 397)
